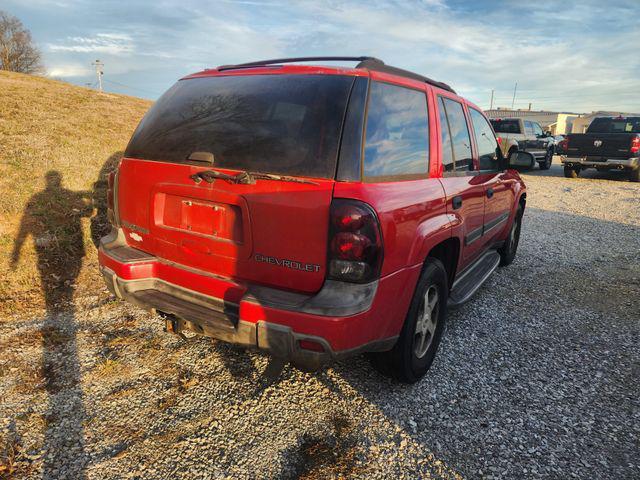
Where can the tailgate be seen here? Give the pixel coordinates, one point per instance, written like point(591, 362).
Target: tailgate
point(614, 145)
point(271, 232)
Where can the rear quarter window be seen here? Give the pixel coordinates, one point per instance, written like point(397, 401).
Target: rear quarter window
point(397, 133)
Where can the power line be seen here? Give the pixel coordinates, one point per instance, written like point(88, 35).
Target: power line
point(131, 88)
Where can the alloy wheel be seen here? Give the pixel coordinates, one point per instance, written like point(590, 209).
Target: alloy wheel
point(427, 322)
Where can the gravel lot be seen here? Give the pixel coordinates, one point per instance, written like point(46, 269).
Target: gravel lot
point(537, 376)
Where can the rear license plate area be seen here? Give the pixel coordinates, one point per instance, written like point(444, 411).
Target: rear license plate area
point(202, 217)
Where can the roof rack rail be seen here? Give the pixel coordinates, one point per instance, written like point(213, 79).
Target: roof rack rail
point(294, 60)
point(370, 63)
point(380, 66)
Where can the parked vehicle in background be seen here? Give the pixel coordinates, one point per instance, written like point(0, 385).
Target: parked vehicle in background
point(610, 143)
point(556, 142)
point(312, 212)
point(517, 134)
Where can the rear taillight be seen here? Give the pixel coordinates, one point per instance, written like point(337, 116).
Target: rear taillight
point(564, 144)
point(635, 144)
point(355, 243)
point(499, 139)
point(111, 195)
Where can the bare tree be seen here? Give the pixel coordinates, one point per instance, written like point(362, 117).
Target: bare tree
point(18, 53)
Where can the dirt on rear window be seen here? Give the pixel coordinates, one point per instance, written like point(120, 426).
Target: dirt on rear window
point(283, 124)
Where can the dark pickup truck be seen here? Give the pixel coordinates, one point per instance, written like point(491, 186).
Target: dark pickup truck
point(610, 143)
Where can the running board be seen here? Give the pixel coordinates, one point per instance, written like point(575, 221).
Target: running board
point(473, 278)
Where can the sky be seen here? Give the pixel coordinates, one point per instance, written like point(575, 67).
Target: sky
point(570, 56)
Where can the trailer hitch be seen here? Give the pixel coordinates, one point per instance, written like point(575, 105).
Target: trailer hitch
point(172, 324)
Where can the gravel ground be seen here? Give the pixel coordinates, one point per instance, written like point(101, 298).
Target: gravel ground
point(537, 377)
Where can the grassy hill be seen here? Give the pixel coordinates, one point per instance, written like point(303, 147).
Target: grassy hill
point(76, 135)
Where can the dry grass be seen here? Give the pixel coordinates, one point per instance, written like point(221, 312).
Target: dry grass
point(49, 125)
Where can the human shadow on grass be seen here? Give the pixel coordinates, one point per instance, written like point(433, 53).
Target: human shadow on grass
point(52, 218)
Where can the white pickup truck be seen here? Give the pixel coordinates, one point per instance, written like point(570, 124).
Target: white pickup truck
point(524, 135)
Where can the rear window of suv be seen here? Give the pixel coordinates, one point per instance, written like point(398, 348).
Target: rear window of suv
point(506, 126)
point(615, 125)
point(281, 124)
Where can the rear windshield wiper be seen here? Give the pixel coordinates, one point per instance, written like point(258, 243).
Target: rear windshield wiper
point(244, 178)
point(282, 178)
point(210, 175)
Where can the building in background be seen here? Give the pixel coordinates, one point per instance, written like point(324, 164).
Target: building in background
point(558, 123)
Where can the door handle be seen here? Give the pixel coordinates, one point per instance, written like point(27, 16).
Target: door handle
point(456, 202)
point(489, 192)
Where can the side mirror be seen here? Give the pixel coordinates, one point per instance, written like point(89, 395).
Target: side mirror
point(521, 159)
point(548, 133)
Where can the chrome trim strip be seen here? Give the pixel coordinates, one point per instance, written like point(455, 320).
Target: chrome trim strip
point(495, 222)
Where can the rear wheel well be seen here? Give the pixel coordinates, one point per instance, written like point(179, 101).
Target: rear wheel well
point(447, 252)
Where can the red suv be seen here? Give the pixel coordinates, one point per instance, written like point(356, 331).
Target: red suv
point(311, 212)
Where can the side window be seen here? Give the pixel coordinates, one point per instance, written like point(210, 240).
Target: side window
point(397, 138)
point(459, 134)
point(537, 129)
point(445, 138)
point(528, 129)
point(485, 140)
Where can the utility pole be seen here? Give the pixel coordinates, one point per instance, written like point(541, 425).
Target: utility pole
point(514, 95)
point(491, 106)
point(99, 72)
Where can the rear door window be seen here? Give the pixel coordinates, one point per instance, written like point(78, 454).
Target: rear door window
point(281, 124)
point(397, 133)
point(458, 132)
point(445, 138)
point(528, 129)
point(485, 141)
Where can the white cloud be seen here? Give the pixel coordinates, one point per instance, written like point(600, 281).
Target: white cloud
point(557, 66)
point(580, 60)
point(109, 43)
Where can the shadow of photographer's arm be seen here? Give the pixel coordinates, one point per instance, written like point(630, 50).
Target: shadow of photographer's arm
point(84, 203)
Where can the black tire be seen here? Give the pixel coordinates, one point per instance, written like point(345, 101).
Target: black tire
point(404, 362)
point(571, 172)
point(548, 160)
point(510, 248)
point(634, 175)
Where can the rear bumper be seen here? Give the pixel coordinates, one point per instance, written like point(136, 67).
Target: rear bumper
point(308, 330)
point(608, 163)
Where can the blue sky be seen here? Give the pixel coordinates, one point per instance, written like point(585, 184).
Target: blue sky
point(570, 56)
